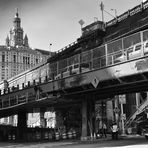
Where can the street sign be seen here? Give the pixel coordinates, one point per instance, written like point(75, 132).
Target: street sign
point(123, 116)
point(95, 82)
point(122, 99)
point(116, 110)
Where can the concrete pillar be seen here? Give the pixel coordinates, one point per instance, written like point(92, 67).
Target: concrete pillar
point(42, 119)
point(84, 120)
point(91, 118)
point(59, 119)
point(22, 126)
point(116, 113)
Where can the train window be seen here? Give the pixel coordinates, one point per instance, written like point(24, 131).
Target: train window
point(76, 66)
point(146, 45)
point(103, 62)
point(138, 47)
point(110, 60)
point(85, 65)
point(96, 63)
point(130, 49)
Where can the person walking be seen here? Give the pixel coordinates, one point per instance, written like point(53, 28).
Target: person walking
point(114, 129)
point(104, 130)
point(100, 129)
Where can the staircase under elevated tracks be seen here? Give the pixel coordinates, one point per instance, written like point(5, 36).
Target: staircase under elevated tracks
point(138, 111)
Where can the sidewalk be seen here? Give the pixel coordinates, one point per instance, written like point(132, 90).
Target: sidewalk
point(109, 138)
point(131, 136)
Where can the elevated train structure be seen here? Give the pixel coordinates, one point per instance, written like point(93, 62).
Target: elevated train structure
point(114, 60)
point(108, 60)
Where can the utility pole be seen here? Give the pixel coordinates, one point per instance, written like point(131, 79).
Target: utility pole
point(102, 10)
point(81, 22)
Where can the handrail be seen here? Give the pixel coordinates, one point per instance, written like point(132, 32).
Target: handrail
point(128, 13)
point(119, 18)
point(66, 47)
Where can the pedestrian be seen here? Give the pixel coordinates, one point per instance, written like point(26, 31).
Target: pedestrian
point(104, 130)
point(114, 129)
point(100, 129)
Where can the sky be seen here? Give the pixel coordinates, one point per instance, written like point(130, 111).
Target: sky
point(53, 24)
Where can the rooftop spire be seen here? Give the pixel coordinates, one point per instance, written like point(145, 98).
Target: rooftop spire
point(16, 15)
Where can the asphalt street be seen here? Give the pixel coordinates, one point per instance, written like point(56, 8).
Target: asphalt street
point(126, 142)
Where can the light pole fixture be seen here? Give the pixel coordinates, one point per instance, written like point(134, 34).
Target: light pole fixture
point(81, 22)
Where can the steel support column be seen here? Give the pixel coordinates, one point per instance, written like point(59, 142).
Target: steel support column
point(22, 126)
point(84, 119)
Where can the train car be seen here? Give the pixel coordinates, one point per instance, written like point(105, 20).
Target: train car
point(109, 54)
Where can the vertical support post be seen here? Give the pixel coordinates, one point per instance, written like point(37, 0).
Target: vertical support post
point(22, 126)
point(122, 120)
point(84, 119)
point(142, 41)
point(23, 86)
point(40, 80)
point(28, 83)
point(91, 118)
point(122, 100)
point(42, 119)
point(116, 113)
point(137, 100)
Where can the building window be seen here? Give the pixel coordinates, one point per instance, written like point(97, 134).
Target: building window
point(3, 58)
point(23, 59)
point(37, 61)
point(14, 58)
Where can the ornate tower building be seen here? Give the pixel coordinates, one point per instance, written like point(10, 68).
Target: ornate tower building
point(26, 41)
point(16, 56)
point(16, 33)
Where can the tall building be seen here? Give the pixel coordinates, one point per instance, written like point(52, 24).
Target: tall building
point(16, 55)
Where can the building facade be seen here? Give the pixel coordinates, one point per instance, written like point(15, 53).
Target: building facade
point(16, 56)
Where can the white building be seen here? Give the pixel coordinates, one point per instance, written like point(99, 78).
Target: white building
point(16, 56)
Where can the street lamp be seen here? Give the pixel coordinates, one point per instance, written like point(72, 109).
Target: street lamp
point(50, 48)
point(50, 45)
point(81, 22)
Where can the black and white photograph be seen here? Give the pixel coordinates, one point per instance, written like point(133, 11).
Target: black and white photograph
point(73, 73)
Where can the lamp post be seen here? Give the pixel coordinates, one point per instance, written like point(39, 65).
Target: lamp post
point(50, 48)
point(81, 22)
